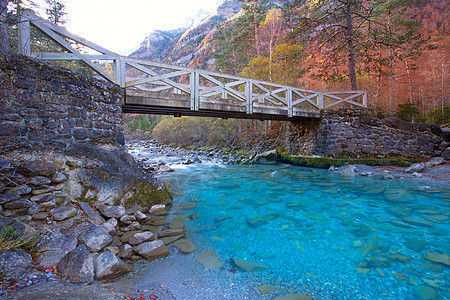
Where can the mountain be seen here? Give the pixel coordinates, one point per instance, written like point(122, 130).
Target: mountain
point(187, 46)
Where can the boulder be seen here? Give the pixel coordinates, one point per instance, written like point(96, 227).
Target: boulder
point(56, 241)
point(415, 168)
point(112, 211)
point(266, 158)
point(446, 154)
point(171, 232)
point(349, 171)
point(63, 212)
point(92, 216)
point(435, 161)
point(140, 216)
point(152, 250)
point(95, 238)
point(14, 264)
point(43, 189)
point(77, 265)
point(127, 219)
point(125, 251)
point(141, 237)
point(108, 266)
point(156, 208)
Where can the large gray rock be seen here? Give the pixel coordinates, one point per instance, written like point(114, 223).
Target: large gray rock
point(53, 247)
point(141, 237)
point(95, 238)
point(63, 212)
point(92, 215)
point(415, 168)
point(435, 161)
point(125, 251)
point(14, 264)
point(112, 211)
point(107, 266)
point(266, 158)
point(77, 265)
point(446, 154)
point(152, 250)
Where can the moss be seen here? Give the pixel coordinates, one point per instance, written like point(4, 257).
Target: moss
point(147, 195)
point(326, 162)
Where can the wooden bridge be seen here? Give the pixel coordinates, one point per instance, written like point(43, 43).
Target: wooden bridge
point(159, 88)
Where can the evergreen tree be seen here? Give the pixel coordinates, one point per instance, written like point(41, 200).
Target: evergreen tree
point(56, 12)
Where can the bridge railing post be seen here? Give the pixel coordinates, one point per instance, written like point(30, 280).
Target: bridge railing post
point(24, 36)
point(321, 104)
point(195, 90)
point(365, 99)
point(249, 96)
point(119, 65)
point(289, 102)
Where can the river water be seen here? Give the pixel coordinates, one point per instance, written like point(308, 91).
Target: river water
point(317, 233)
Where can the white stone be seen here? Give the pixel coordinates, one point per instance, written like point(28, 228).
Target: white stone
point(157, 207)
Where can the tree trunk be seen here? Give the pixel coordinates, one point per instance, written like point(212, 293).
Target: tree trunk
point(391, 80)
point(350, 47)
point(411, 87)
point(4, 37)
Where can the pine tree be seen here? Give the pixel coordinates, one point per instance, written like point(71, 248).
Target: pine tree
point(56, 12)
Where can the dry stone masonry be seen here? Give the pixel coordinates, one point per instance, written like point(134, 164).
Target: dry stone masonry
point(356, 133)
point(43, 106)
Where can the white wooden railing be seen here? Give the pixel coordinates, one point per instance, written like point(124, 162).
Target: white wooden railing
point(199, 84)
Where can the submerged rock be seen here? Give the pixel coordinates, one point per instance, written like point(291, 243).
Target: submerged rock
point(247, 266)
point(185, 246)
point(425, 292)
point(267, 288)
point(294, 297)
point(438, 257)
point(209, 259)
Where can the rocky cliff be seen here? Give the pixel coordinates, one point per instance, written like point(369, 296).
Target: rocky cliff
point(187, 46)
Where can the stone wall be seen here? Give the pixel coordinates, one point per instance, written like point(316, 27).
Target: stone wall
point(43, 106)
point(356, 133)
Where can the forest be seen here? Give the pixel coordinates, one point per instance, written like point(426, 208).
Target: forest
point(397, 50)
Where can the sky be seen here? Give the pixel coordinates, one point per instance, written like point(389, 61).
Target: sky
point(121, 25)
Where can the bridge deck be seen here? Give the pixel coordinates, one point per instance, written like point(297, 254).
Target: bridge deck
point(147, 102)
